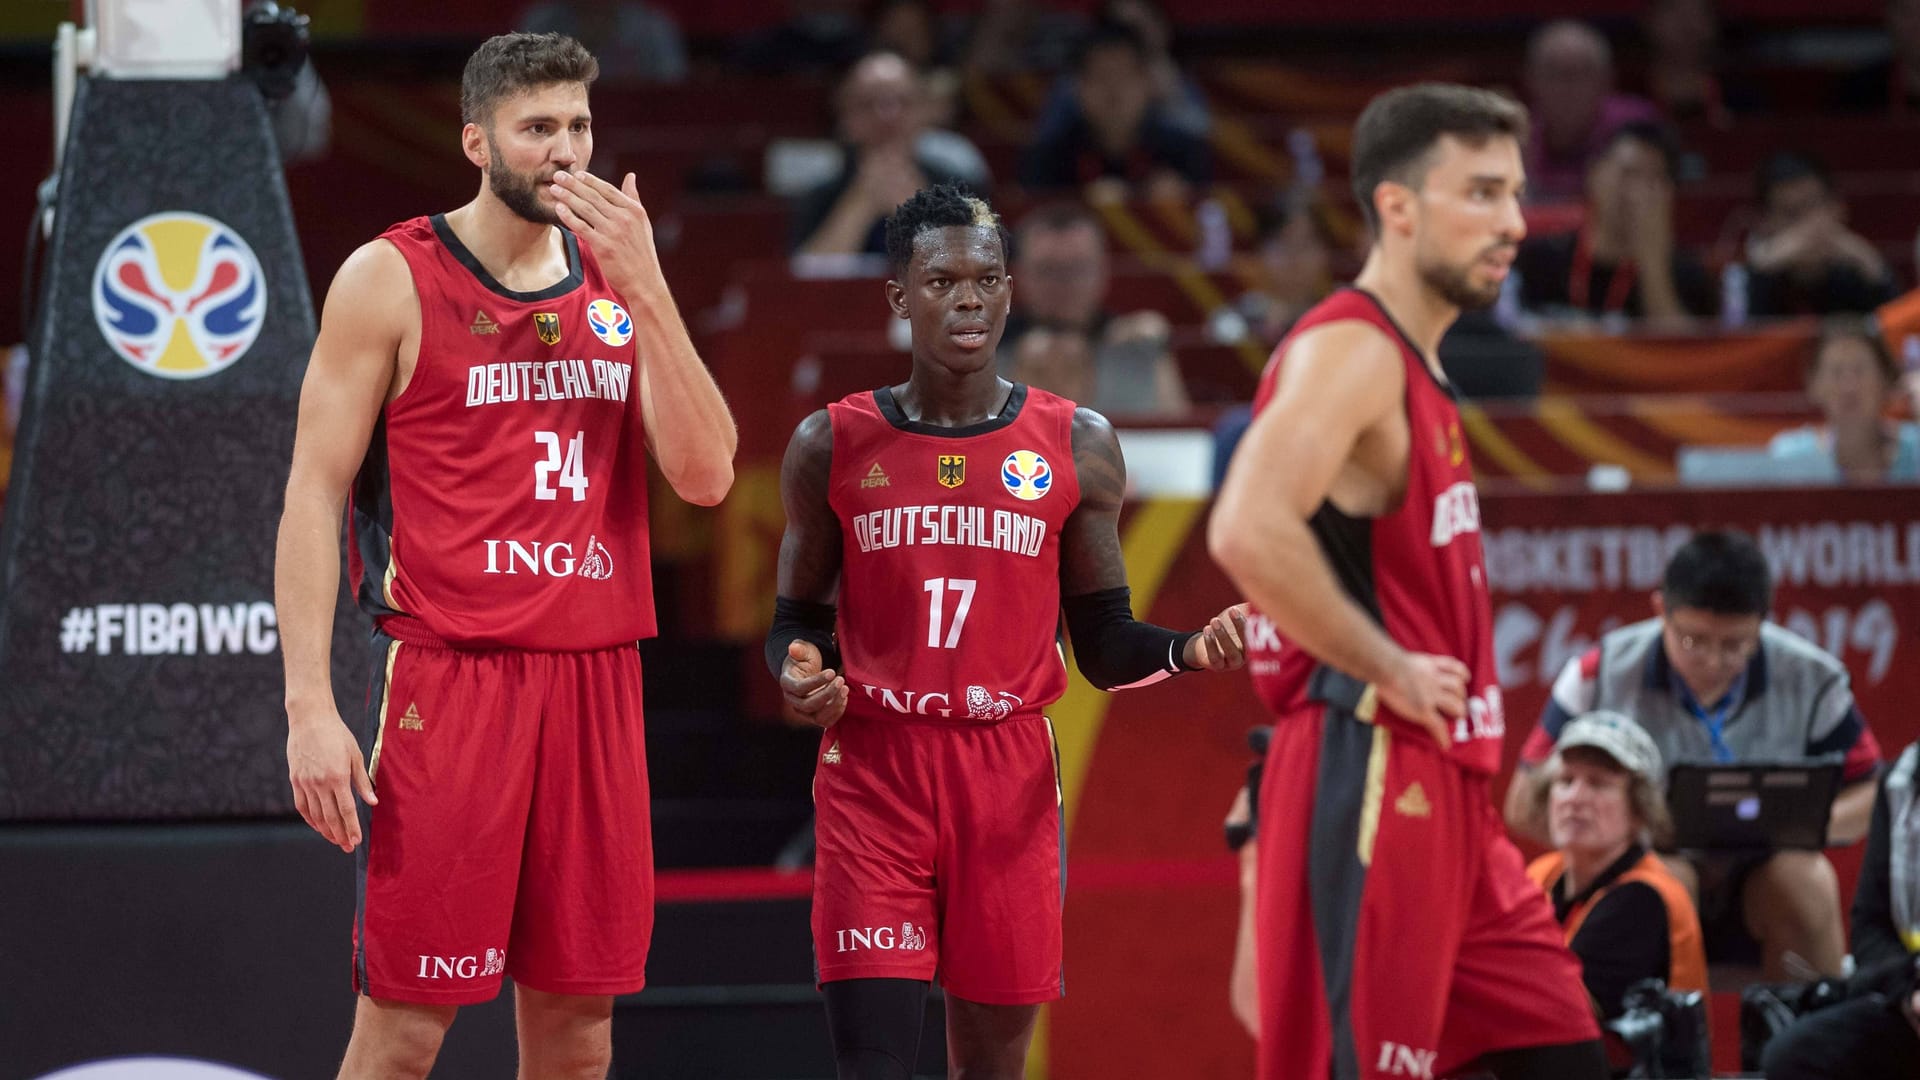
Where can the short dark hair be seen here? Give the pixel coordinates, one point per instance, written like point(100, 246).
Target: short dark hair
point(1057, 217)
point(1272, 218)
point(1863, 327)
point(1105, 34)
point(1719, 570)
point(508, 64)
point(943, 206)
point(1399, 128)
point(1652, 134)
point(1786, 166)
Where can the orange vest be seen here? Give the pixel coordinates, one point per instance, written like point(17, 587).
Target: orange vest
point(1686, 952)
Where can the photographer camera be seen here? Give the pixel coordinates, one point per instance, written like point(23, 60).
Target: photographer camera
point(1875, 1031)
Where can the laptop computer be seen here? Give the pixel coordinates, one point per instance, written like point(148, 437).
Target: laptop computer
point(1742, 466)
point(1751, 806)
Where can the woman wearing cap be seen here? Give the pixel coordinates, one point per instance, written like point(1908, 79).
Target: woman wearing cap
point(1627, 917)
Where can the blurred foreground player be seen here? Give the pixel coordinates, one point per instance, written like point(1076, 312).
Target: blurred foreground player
point(947, 517)
point(1399, 934)
point(490, 383)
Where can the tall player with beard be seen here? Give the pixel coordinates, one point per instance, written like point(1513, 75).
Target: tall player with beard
point(1398, 934)
point(488, 385)
point(945, 518)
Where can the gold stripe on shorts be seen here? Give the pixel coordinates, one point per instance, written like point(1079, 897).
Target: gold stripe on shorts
point(1053, 751)
point(1376, 790)
point(386, 699)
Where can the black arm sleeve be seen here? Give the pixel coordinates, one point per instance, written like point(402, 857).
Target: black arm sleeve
point(799, 620)
point(1116, 651)
point(1874, 937)
point(1624, 939)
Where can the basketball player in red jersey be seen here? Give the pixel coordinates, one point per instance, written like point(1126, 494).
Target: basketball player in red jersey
point(947, 517)
point(1398, 934)
point(488, 385)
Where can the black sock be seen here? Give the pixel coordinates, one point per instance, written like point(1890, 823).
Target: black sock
point(1562, 1061)
point(875, 1025)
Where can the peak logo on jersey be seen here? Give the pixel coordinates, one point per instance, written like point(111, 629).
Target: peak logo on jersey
point(952, 471)
point(1413, 802)
point(1026, 475)
point(179, 295)
point(832, 756)
point(482, 324)
point(610, 322)
point(547, 325)
point(876, 477)
point(411, 721)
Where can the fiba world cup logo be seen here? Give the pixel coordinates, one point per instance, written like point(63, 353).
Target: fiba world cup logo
point(179, 295)
point(610, 322)
point(1026, 475)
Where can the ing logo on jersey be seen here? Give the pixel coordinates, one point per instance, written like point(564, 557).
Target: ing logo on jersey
point(179, 295)
point(1026, 475)
point(610, 322)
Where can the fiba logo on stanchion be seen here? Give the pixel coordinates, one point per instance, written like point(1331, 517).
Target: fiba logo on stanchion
point(1026, 475)
point(179, 295)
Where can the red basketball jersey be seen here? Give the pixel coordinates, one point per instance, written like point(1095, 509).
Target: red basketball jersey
point(1418, 569)
point(950, 580)
point(503, 501)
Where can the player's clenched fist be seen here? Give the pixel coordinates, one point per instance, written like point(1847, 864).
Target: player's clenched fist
point(1222, 646)
point(814, 695)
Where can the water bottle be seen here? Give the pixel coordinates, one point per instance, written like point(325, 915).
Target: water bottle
point(1733, 296)
point(1216, 236)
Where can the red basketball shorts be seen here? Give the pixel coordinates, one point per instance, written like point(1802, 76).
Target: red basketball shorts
point(512, 835)
point(1399, 935)
point(939, 851)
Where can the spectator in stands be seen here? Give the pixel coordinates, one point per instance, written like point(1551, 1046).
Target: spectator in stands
point(1020, 35)
point(818, 37)
point(1055, 360)
point(1060, 281)
point(1623, 261)
point(1802, 259)
point(1876, 1031)
point(1115, 136)
point(890, 153)
point(1852, 378)
point(1684, 73)
point(1893, 84)
point(911, 29)
point(1295, 242)
point(634, 42)
point(1178, 97)
point(1626, 916)
point(1570, 89)
point(1711, 680)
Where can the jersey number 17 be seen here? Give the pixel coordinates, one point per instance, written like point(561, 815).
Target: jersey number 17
point(936, 590)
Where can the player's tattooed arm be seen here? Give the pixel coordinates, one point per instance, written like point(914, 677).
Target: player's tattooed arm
point(1090, 557)
point(810, 549)
point(1113, 649)
point(800, 647)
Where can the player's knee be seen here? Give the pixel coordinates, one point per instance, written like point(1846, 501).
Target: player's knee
point(1797, 881)
point(394, 1047)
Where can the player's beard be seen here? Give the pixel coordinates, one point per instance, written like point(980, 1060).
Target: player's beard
point(1455, 283)
point(519, 192)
